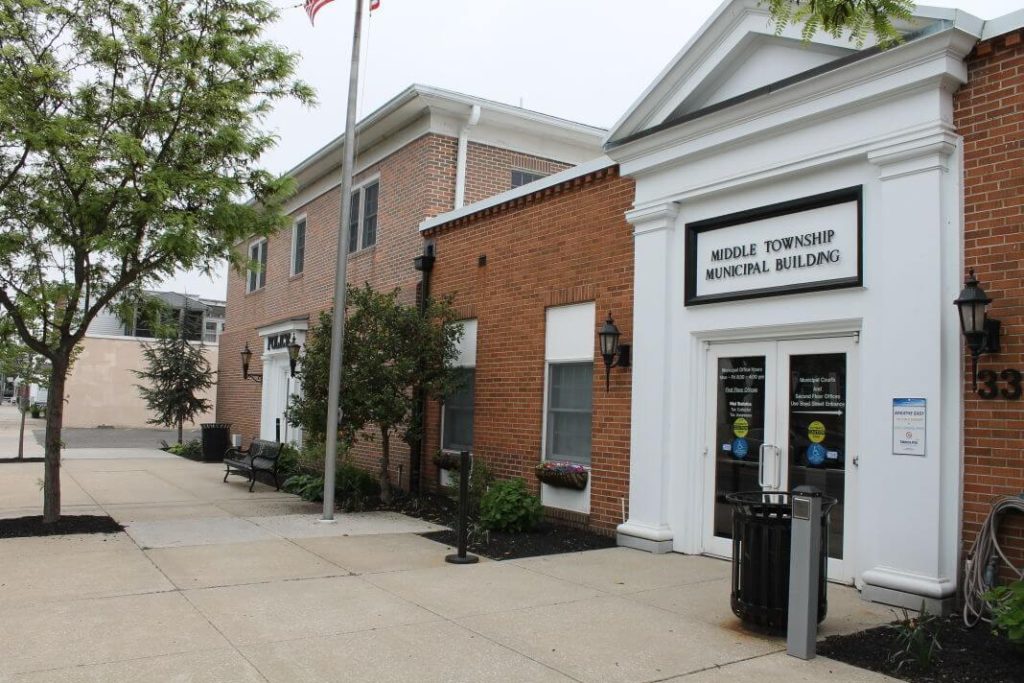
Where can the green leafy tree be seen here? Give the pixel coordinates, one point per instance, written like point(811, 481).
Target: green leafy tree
point(176, 373)
point(129, 137)
point(391, 350)
point(859, 17)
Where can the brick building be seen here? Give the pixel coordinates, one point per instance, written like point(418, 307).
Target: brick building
point(989, 114)
point(425, 152)
point(534, 272)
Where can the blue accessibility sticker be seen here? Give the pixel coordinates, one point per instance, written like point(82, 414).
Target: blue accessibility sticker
point(740, 448)
point(816, 454)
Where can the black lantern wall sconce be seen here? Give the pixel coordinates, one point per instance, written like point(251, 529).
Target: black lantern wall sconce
point(294, 351)
point(246, 358)
point(614, 353)
point(293, 354)
point(980, 331)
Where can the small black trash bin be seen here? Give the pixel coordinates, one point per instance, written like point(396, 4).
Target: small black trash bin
point(761, 533)
point(216, 439)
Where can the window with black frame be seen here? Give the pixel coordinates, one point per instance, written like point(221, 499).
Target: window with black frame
point(457, 414)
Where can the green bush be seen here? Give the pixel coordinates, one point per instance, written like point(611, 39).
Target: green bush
point(288, 461)
point(307, 486)
point(480, 480)
point(509, 506)
point(189, 449)
point(1007, 604)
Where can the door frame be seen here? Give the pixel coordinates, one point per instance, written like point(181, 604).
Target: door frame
point(776, 351)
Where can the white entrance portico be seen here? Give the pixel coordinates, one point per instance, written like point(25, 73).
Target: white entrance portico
point(278, 383)
point(797, 247)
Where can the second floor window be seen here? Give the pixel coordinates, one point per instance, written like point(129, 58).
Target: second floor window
point(524, 177)
point(257, 266)
point(362, 224)
point(298, 246)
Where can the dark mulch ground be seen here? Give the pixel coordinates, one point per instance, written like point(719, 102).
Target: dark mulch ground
point(12, 460)
point(70, 524)
point(547, 539)
point(967, 655)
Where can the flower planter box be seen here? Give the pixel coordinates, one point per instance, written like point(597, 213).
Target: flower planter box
point(566, 475)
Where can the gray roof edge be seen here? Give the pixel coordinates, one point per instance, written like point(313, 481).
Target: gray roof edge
point(1002, 25)
point(552, 180)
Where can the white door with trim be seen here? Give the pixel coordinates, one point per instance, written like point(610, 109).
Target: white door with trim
point(276, 390)
point(782, 414)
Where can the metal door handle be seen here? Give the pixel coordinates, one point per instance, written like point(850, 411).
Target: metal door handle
point(760, 464)
point(778, 468)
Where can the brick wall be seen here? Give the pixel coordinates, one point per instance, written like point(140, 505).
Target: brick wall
point(489, 169)
point(990, 116)
point(566, 245)
point(416, 182)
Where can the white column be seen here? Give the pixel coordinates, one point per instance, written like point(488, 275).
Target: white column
point(911, 348)
point(647, 527)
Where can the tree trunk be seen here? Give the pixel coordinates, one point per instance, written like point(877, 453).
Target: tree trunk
point(54, 425)
point(180, 428)
point(22, 408)
point(385, 462)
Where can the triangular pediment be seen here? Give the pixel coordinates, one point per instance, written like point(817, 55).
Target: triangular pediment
point(736, 53)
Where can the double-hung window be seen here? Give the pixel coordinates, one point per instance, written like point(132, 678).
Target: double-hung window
point(458, 414)
point(569, 385)
point(298, 246)
point(362, 223)
point(257, 265)
point(457, 409)
point(570, 388)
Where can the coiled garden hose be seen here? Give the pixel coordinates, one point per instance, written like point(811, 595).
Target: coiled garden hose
point(981, 569)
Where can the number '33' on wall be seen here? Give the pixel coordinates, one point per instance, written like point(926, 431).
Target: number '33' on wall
point(989, 381)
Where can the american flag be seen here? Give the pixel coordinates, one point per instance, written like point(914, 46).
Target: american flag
point(313, 6)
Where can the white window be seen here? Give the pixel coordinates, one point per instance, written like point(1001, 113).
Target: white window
point(457, 409)
point(212, 330)
point(362, 223)
point(299, 246)
point(257, 265)
point(568, 397)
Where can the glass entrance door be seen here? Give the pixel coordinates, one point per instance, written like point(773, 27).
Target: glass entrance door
point(781, 416)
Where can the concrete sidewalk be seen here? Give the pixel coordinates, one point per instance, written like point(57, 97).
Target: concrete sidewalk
point(212, 583)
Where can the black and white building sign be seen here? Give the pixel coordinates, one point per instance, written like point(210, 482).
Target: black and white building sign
point(804, 245)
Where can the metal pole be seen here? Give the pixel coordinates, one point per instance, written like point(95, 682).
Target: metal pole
point(804, 574)
point(338, 322)
point(461, 557)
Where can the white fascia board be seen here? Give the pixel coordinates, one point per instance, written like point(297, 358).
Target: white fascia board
point(298, 325)
point(939, 56)
point(1004, 24)
point(521, 191)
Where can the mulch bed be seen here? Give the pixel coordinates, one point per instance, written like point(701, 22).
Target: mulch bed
point(546, 539)
point(13, 460)
point(19, 527)
point(967, 655)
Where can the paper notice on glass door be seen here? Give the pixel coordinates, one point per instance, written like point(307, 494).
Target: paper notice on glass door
point(909, 423)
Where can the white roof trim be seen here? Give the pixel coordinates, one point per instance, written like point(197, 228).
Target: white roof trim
point(523, 190)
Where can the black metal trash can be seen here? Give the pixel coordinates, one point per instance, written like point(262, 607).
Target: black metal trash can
point(761, 533)
point(216, 440)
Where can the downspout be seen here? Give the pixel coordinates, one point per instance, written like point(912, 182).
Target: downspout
point(461, 159)
point(424, 264)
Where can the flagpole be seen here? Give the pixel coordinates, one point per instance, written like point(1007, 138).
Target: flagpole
point(338, 322)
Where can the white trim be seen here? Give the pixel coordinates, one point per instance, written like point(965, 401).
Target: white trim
point(301, 218)
point(583, 169)
point(286, 326)
point(1003, 25)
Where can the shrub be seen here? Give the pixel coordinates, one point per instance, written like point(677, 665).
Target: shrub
point(509, 506)
point(189, 449)
point(480, 480)
point(1007, 604)
point(917, 639)
point(307, 486)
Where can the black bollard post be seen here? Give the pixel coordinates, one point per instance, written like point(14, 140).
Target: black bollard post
point(461, 557)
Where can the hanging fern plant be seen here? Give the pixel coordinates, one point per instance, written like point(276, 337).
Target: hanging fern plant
point(858, 17)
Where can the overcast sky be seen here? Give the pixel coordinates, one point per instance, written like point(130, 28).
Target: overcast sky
point(584, 60)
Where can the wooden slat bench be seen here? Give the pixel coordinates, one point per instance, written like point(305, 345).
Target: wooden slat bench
point(260, 456)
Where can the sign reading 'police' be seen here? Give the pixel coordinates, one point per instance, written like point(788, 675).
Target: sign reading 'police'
point(805, 245)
